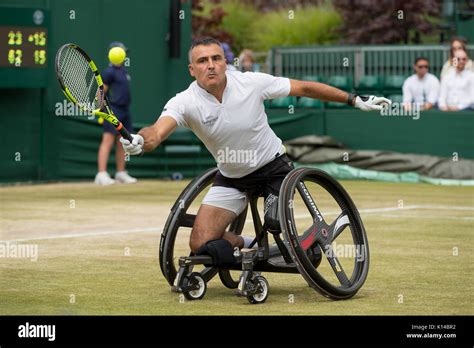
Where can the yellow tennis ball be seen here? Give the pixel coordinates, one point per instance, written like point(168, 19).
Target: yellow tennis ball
point(117, 55)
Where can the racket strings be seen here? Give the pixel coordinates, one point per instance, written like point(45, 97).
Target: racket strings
point(79, 79)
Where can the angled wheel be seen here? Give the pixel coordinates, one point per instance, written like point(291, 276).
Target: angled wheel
point(317, 215)
point(174, 240)
point(258, 289)
point(194, 287)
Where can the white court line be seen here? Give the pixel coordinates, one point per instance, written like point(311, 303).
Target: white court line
point(408, 207)
point(434, 217)
point(88, 234)
point(299, 216)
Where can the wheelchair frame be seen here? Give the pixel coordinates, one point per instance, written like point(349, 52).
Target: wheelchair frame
point(286, 256)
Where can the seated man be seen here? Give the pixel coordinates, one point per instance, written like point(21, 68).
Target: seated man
point(457, 88)
point(225, 110)
point(421, 88)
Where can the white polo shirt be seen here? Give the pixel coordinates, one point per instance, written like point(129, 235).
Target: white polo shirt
point(236, 132)
point(420, 91)
point(457, 89)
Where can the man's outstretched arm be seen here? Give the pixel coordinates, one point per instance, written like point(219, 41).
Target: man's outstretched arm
point(149, 138)
point(322, 91)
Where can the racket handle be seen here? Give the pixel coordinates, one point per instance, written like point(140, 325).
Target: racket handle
point(126, 135)
point(124, 132)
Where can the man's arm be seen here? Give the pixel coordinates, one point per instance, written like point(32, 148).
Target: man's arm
point(407, 95)
point(149, 138)
point(433, 93)
point(318, 90)
point(154, 135)
point(442, 101)
point(325, 92)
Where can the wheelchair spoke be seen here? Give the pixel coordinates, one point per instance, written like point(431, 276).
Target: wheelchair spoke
point(338, 225)
point(187, 220)
point(309, 202)
point(336, 265)
point(315, 233)
point(309, 237)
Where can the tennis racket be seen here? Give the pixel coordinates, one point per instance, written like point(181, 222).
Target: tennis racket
point(82, 84)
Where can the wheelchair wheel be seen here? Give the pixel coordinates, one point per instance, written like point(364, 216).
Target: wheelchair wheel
point(258, 290)
point(196, 287)
point(175, 236)
point(308, 199)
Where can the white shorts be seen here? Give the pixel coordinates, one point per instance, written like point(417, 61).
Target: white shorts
point(227, 198)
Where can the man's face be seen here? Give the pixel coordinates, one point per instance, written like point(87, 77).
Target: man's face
point(208, 65)
point(421, 67)
point(460, 59)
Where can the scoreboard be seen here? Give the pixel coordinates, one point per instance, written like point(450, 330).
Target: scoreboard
point(24, 55)
point(23, 47)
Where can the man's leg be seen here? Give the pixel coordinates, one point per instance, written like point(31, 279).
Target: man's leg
point(104, 151)
point(119, 156)
point(210, 224)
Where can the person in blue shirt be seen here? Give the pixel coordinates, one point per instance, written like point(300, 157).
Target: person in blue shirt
point(117, 87)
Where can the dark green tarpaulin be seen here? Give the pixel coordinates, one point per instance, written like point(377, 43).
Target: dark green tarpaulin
point(323, 150)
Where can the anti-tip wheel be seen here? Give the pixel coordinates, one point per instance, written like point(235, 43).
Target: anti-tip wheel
point(258, 290)
point(194, 287)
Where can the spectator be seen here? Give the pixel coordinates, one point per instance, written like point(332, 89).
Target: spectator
point(457, 88)
point(421, 88)
point(229, 56)
point(247, 61)
point(117, 87)
point(456, 44)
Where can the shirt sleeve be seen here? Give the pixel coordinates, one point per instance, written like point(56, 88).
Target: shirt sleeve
point(442, 102)
point(407, 96)
point(444, 70)
point(176, 109)
point(472, 90)
point(108, 76)
point(433, 92)
point(270, 86)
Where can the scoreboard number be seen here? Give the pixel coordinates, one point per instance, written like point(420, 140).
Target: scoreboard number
point(23, 47)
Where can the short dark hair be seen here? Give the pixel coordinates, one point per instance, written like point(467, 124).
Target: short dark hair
point(203, 41)
point(421, 58)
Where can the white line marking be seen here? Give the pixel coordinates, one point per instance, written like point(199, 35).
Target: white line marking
point(408, 207)
point(379, 210)
point(434, 217)
point(87, 234)
point(298, 216)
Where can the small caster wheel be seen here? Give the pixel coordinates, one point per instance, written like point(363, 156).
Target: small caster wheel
point(257, 290)
point(194, 286)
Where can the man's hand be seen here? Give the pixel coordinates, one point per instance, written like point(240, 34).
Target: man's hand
point(135, 147)
point(371, 103)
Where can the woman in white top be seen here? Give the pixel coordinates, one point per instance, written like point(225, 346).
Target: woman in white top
point(456, 44)
point(457, 88)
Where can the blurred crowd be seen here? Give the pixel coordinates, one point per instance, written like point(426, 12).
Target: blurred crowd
point(244, 62)
point(455, 89)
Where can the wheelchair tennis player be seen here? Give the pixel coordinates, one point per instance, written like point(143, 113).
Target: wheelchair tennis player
point(226, 112)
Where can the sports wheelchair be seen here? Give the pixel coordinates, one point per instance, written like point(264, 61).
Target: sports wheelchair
point(302, 245)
